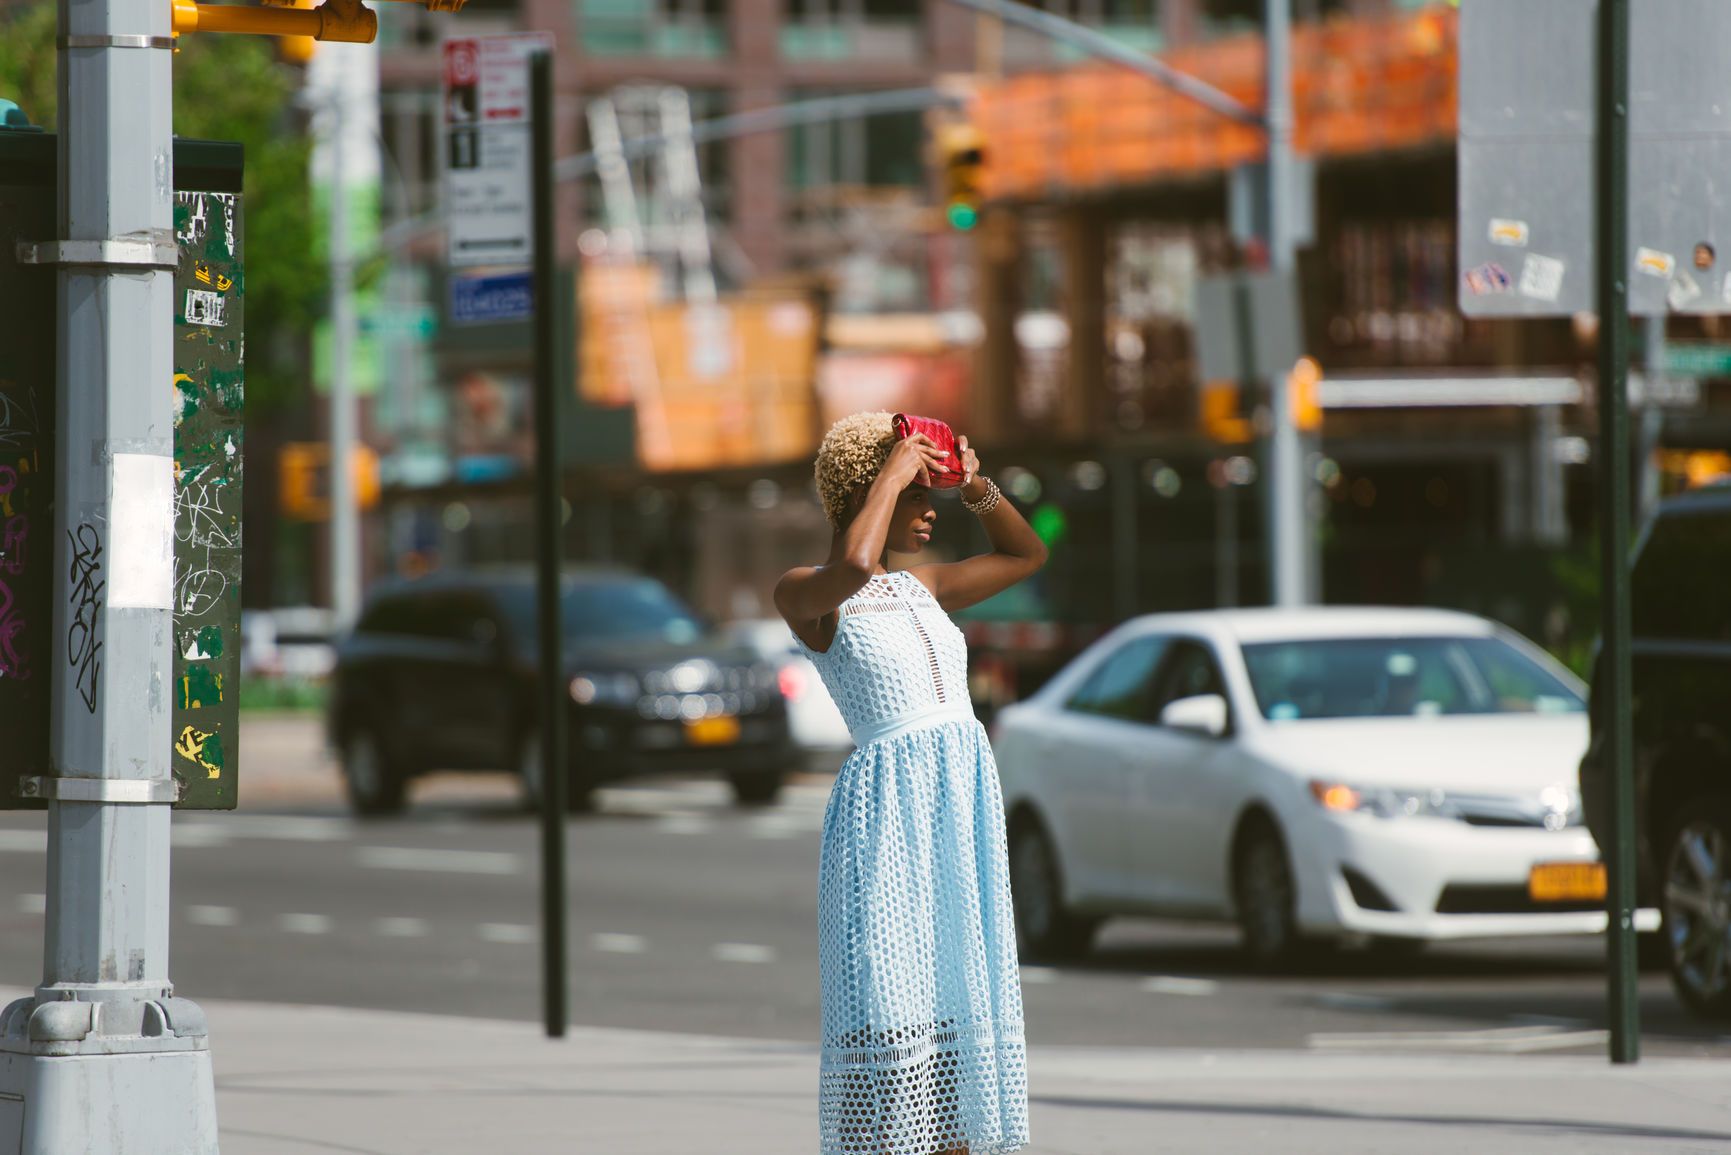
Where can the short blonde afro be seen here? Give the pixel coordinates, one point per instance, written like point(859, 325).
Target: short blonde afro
point(850, 458)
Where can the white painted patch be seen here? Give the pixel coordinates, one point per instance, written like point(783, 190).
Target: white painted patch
point(1175, 985)
point(509, 932)
point(204, 307)
point(212, 915)
point(684, 824)
point(402, 927)
point(305, 923)
point(438, 861)
point(619, 943)
point(32, 903)
point(1040, 975)
point(24, 841)
point(139, 561)
point(743, 952)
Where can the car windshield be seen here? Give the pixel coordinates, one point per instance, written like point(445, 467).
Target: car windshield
point(629, 610)
point(1402, 677)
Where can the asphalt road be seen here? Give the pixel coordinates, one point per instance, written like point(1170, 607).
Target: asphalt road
point(688, 915)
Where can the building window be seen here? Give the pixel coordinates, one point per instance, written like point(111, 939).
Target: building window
point(686, 29)
point(851, 30)
point(871, 151)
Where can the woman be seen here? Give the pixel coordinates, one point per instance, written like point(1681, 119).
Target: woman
point(922, 1004)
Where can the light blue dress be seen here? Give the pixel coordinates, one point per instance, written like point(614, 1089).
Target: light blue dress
point(922, 1003)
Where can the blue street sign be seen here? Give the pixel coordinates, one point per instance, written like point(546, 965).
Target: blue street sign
point(490, 300)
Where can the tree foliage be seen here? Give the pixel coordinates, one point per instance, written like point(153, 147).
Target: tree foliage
point(225, 88)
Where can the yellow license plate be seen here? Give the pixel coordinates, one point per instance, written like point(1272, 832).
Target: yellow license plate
point(1567, 882)
point(712, 732)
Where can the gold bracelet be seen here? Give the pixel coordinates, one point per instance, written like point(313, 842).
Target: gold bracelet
point(987, 503)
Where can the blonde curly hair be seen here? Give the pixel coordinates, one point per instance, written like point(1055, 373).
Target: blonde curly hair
point(850, 458)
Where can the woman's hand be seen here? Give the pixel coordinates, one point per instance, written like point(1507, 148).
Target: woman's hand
point(973, 485)
point(912, 459)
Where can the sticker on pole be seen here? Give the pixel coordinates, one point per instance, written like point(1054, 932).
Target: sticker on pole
point(488, 201)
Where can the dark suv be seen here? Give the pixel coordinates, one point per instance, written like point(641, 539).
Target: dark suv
point(440, 674)
point(1681, 613)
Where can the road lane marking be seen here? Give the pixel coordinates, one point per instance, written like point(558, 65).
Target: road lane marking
point(683, 824)
point(24, 841)
point(33, 903)
point(212, 915)
point(305, 923)
point(1032, 975)
point(1176, 985)
point(1507, 1040)
point(743, 952)
point(401, 927)
point(618, 943)
point(439, 861)
point(509, 932)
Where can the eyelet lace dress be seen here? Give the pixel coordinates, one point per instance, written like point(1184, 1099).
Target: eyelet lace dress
point(922, 1004)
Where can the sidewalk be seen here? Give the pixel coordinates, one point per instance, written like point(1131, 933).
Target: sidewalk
point(303, 1080)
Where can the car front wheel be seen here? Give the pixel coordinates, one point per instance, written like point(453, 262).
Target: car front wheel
point(1697, 906)
point(376, 783)
point(1266, 897)
point(1045, 928)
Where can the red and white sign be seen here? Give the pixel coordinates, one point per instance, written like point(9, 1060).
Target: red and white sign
point(486, 153)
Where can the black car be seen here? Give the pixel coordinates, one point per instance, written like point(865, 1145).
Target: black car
point(440, 673)
point(1681, 652)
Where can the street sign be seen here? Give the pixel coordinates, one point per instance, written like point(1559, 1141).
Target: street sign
point(486, 154)
point(1698, 360)
point(492, 300)
point(1527, 126)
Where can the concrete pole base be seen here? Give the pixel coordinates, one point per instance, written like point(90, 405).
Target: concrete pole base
point(156, 1090)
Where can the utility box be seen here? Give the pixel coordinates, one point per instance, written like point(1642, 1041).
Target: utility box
point(208, 454)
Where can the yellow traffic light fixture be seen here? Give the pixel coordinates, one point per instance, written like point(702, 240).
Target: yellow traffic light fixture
point(961, 159)
point(1221, 417)
point(337, 20)
point(1305, 390)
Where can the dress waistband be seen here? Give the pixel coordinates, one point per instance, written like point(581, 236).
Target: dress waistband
point(908, 723)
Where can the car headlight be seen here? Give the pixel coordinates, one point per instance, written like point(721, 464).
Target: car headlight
point(1382, 801)
point(605, 689)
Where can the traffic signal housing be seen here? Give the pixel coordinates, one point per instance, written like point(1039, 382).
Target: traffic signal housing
point(961, 161)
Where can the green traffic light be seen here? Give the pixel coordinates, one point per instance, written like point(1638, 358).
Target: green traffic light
point(962, 216)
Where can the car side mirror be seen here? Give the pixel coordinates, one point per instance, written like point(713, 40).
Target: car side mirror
point(1204, 714)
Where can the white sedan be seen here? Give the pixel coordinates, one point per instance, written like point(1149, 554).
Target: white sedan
point(813, 720)
point(1326, 774)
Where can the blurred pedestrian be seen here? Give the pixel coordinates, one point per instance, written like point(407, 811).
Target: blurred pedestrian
point(923, 1050)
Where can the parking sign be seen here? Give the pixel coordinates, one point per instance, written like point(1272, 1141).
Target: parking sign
point(486, 154)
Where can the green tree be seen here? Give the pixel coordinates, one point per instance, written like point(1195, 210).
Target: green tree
point(225, 88)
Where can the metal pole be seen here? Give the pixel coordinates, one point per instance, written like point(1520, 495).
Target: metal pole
point(1226, 538)
point(1284, 459)
point(1127, 545)
point(549, 515)
point(1612, 182)
point(103, 1057)
point(345, 572)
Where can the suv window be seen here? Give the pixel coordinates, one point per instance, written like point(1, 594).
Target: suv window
point(1190, 670)
point(1119, 686)
point(1678, 586)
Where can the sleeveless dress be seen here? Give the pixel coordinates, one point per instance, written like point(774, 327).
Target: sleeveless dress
point(922, 1004)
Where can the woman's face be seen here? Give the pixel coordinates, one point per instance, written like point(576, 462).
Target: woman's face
point(911, 523)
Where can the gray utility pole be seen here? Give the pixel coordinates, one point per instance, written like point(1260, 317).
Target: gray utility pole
point(345, 545)
point(1285, 488)
point(103, 1058)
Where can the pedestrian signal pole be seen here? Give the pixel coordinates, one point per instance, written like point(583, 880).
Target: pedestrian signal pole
point(104, 1057)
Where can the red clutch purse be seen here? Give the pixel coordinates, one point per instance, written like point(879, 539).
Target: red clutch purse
point(943, 437)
